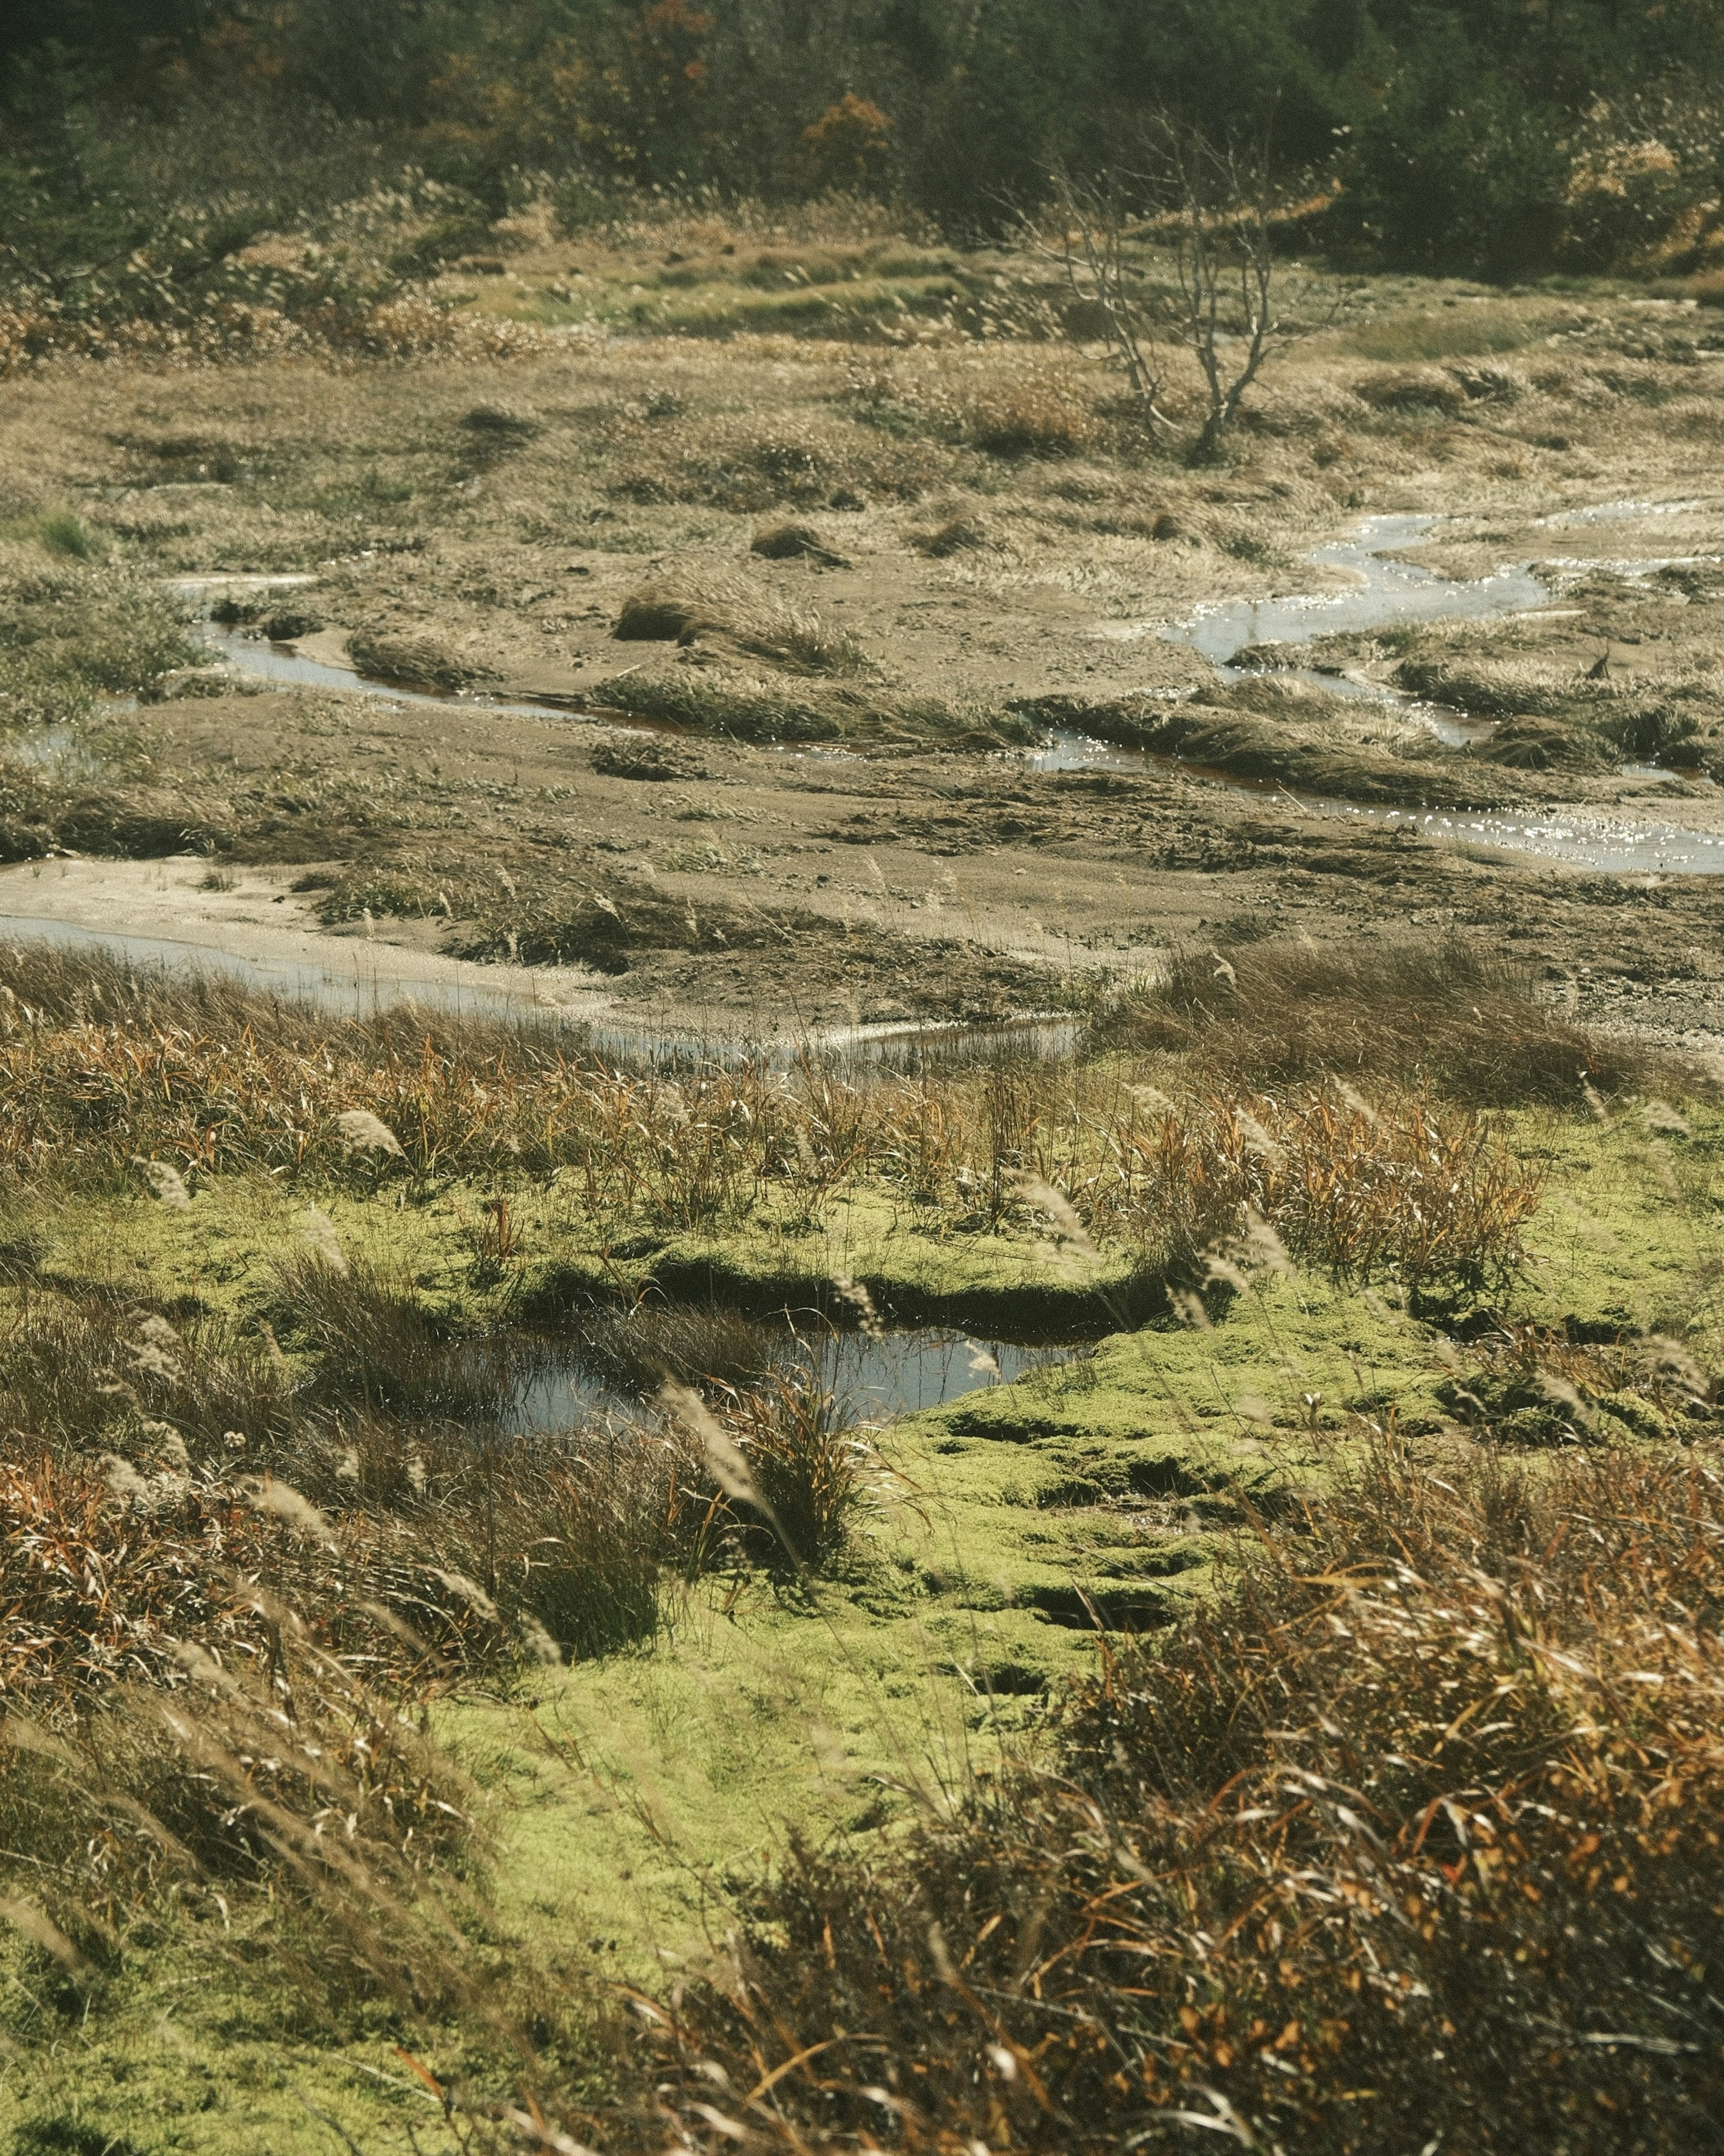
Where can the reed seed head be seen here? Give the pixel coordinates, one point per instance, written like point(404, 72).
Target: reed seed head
point(318, 1232)
point(165, 1181)
point(361, 1132)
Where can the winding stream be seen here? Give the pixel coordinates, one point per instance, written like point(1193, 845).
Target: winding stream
point(1390, 593)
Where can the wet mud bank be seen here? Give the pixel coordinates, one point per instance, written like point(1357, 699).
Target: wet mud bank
point(1032, 1307)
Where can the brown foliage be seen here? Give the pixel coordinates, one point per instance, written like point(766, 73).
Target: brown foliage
point(1447, 1013)
point(94, 1588)
point(1412, 1833)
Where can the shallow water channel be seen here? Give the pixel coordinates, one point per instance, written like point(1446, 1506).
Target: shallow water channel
point(1386, 593)
point(357, 980)
point(1389, 593)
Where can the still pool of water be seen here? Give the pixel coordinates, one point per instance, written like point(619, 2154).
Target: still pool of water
point(875, 1381)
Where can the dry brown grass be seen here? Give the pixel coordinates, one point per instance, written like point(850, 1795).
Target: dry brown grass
point(794, 542)
point(418, 662)
point(1401, 1180)
point(120, 1586)
point(1447, 1013)
point(1406, 1836)
point(32, 336)
point(729, 617)
point(1408, 1187)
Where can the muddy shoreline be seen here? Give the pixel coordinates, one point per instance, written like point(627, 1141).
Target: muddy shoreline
point(1516, 752)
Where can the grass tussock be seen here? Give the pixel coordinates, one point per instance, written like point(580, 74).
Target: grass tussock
point(1447, 1014)
point(418, 662)
point(808, 1477)
point(1406, 1836)
point(1559, 717)
point(724, 700)
point(730, 617)
point(1408, 1189)
point(791, 541)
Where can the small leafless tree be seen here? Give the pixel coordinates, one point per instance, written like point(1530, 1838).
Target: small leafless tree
point(1178, 255)
point(1092, 224)
point(1219, 212)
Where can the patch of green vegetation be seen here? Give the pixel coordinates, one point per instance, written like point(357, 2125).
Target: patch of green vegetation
point(1094, 1491)
point(178, 2048)
point(218, 1254)
point(1626, 1239)
point(1458, 329)
point(645, 1790)
point(631, 1800)
point(63, 531)
point(72, 628)
point(1015, 1521)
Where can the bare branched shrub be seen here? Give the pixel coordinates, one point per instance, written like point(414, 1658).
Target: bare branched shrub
point(1221, 195)
point(1177, 254)
point(1107, 279)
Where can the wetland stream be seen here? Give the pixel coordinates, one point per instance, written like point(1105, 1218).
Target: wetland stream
point(1388, 593)
point(288, 957)
point(1392, 593)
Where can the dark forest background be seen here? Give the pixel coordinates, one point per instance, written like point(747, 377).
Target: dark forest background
point(147, 142)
